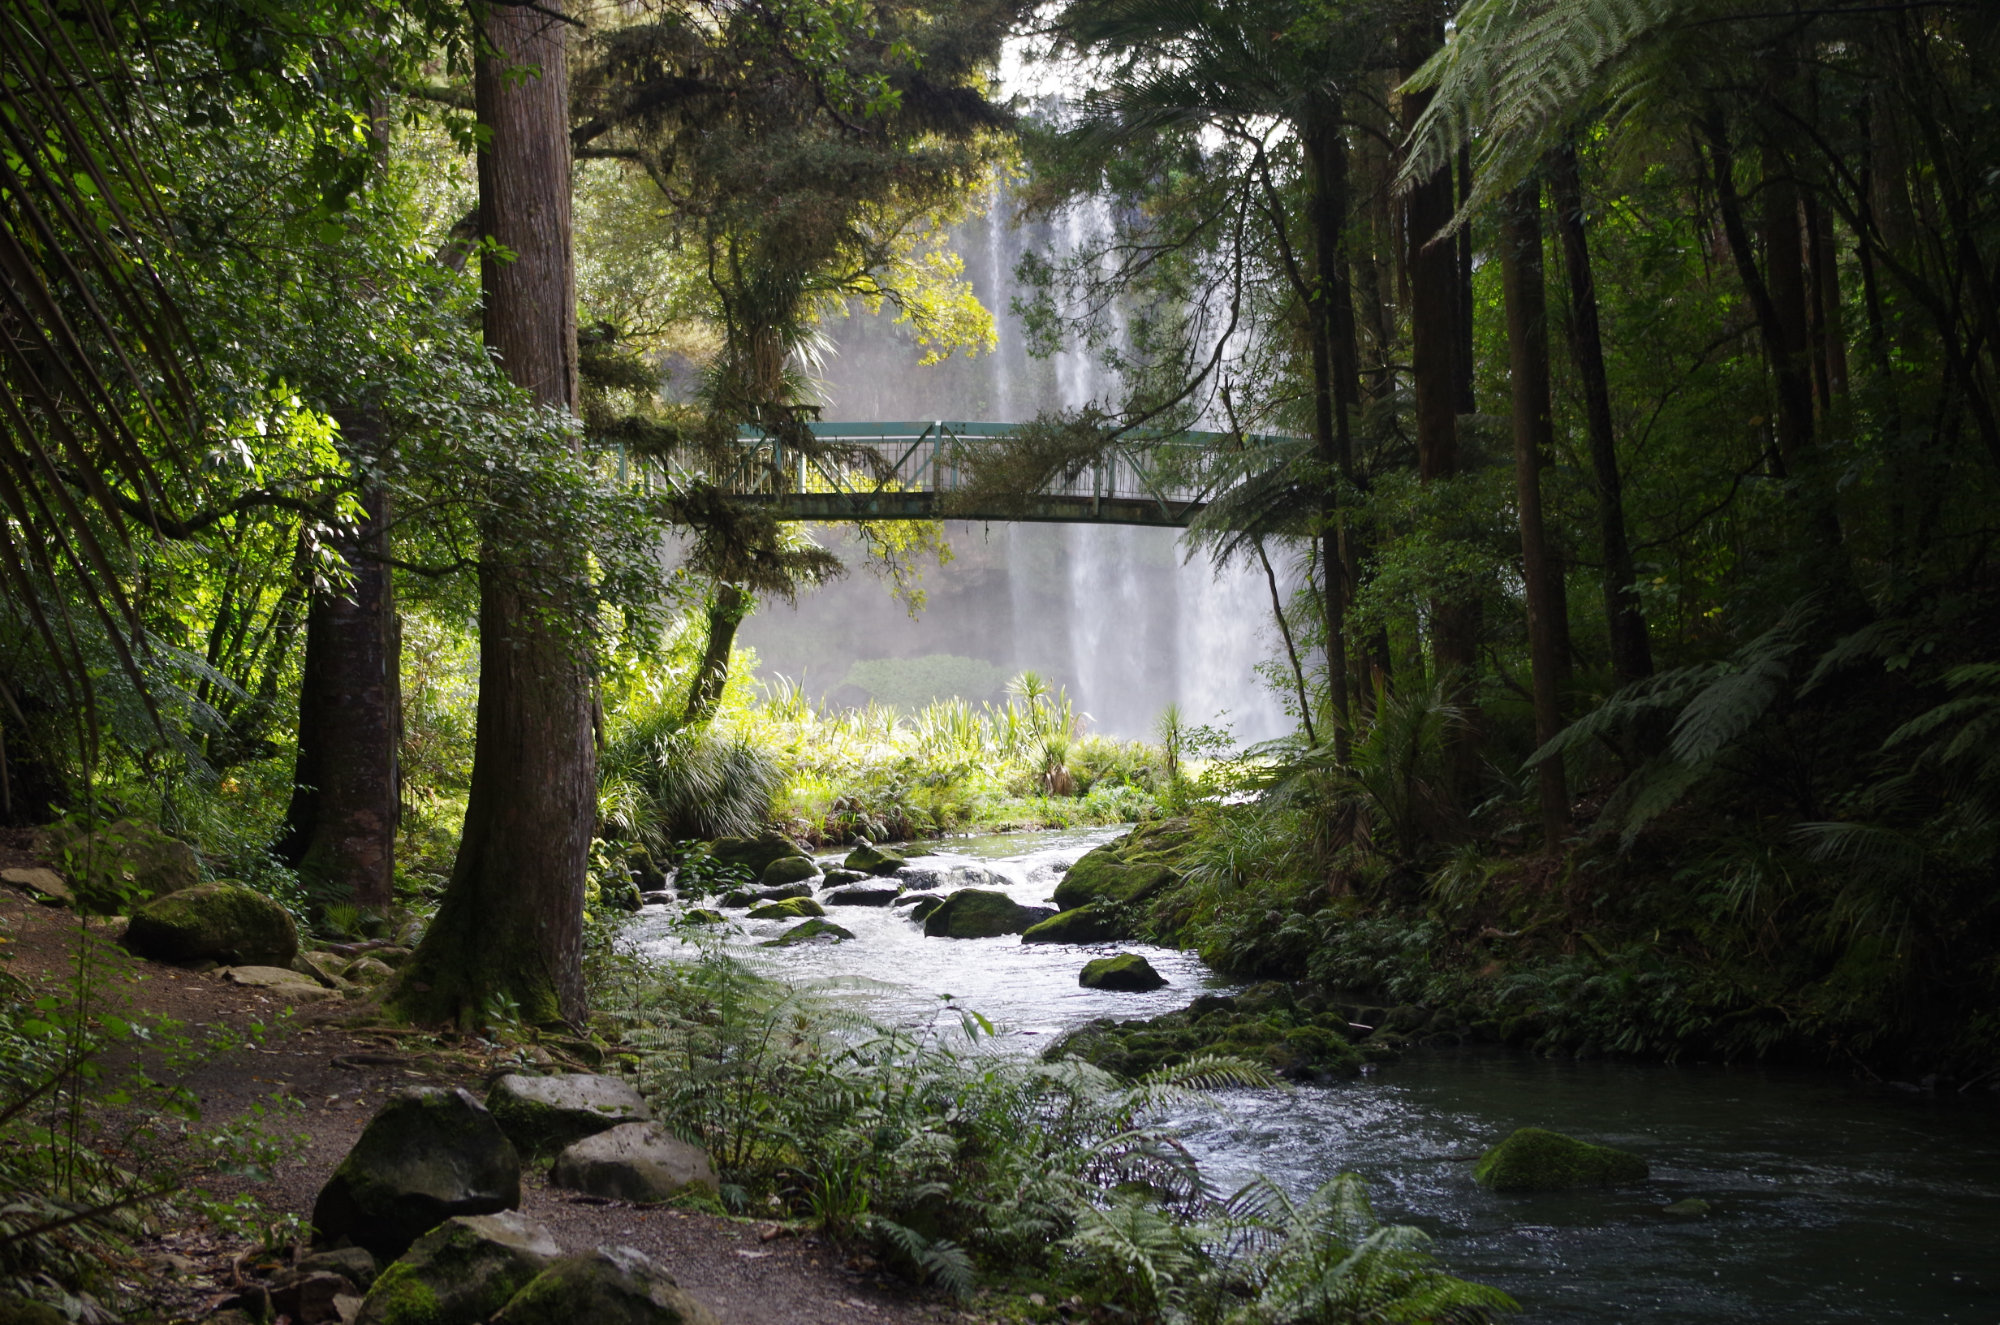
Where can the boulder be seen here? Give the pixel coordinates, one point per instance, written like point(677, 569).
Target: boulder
point(976, 913)
point(788, 869)
point(123, 863)
point(972, 876)
point(354, 1264)
point(701, 915)
point(368, 970)
point(809, 931)
point(609, 1286)
point(321, 967)
point(45, 886)
point(921, 904)
point(836, 878)
point(280, 980)
point(1126, 973)
point(1101, 877)
point(311, 1298)
point(753, 853)
point(541, 1115)
point(634, 1162)
point(659, 897)
point(461, 1272)
point(392, 956)
point(778, 892)
point(1095, 923)
point(862, 894)
point(868, 859)
point(1535, 1159)
point(738, 897)
point(428, 1155)
point(223, 922)
point(792, 908)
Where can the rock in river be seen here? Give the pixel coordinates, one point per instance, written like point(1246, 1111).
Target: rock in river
point(788, 869)
point(809, 932)
point(428, 1155)
point(874, 860)
point(792, 908)
point(1126, 973)
point(862, 894)
point(1535, 1159)
point(752, 855)
point(1096, 923)
point(976, 913)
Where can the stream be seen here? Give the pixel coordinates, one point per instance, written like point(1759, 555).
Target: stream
point(1832, 1201)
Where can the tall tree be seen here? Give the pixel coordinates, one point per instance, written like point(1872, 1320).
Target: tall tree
point(511, 921)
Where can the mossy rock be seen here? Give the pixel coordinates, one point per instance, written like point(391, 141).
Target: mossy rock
point(808, 932)
point(739, 897)
point(701, 915)
point(222, 922)
point(753, 853)
point(788, 869)
point(541, 1115)
point(836, 878)
point(874, 860)
point(1264, 1025)
point(1102, 876)
point(429, 1154)
point(1127, 973)
point(862, 894)
point(24, 1311)
point(123, 863)
point(1535, 1159)
point(1095, 923)
point(609, 1286)
point(460, 1273)
point(976, 913)
point(921, 904)
point(791, 908)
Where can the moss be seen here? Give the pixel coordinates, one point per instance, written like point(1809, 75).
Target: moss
point(977, 913)
point(810, 930)
point(702, 915)
point(1126, 972)
point(215, 921)
point(399, 1297)
point(1264, 1024)
point(753, 854)
point(874, 860)
point(791, 908)
point(1535, 1159)
point(1106, 878)
point(788, 869)
point(1095, 923)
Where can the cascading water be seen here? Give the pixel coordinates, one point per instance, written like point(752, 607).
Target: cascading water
point(1118, 614)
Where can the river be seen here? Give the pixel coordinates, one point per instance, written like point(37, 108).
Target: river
point(1832, 1201)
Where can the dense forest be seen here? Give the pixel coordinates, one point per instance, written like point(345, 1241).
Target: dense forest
point(1606, 391)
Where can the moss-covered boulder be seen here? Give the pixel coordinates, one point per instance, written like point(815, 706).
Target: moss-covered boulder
point(609, 1286)
point(1107, 879)
point(1265, 1024)
point(701, 915)
point(122, 863)
point(811, 930)
point(862, 894)
point(222, 922)
point(428, 1155)
point(977, 913)
point(836, 878)
point(1125, 973)
point(792, 908)
point(1096, 923)
point(634, 1162)
point(874, 860)
point(921, 905)
point(461, 1272)
point(1535, 1159)
point(541, 1115)
point(753, 854)
point(788, 869)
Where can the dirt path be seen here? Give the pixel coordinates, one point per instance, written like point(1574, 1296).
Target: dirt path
point(330, 1074)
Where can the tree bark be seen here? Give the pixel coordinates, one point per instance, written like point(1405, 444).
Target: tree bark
point(1624, 617)
point(340, 829)
point(1330, 314)
point(725, 613)
point(1534, 436)
point(511, 923)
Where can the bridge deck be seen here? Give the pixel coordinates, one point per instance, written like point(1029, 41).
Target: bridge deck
point(905, 471)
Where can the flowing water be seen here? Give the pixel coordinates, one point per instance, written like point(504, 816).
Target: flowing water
point(1832, 1201)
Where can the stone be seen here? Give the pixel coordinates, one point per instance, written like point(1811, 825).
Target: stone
point(753, 854)
point(1535, 1159)
point(123, 863)
point(837, 877)
point(308, 1299)
point(609, 1286)
point(223, 922)
point(1094, 923)
point(921, 904)
point(461, 1272)
point(541, 1115)
point(862, 894)
point(1126, 973)
point(738, 897)
point(634, 1162)
point(354, 1264)
point(701, 915)
point(778, 892)
point(1691, 1208)
point(322, 968)
point(392, 956)
point(788, 869)
point(868, 859)
point(280, 980)
point(809, 931)
point(429, 1154)
point(1104, 878)
point(45, 886)
point(369, 970)
point(658, 897)
point(976, 913)
point(972, 876)
point(1264, 1024)
point(792, 908)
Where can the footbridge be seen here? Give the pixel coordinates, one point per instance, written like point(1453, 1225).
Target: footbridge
point(924, 471)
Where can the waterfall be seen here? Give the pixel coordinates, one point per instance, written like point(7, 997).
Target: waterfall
point(1110, 611)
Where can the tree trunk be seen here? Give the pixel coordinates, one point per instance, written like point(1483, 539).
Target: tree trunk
point(1534, 436)
point(1625, 618)
point(511, 924)
point(1330, 313)
point(340, 830)
point(725, 613)
point(1463, 368)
